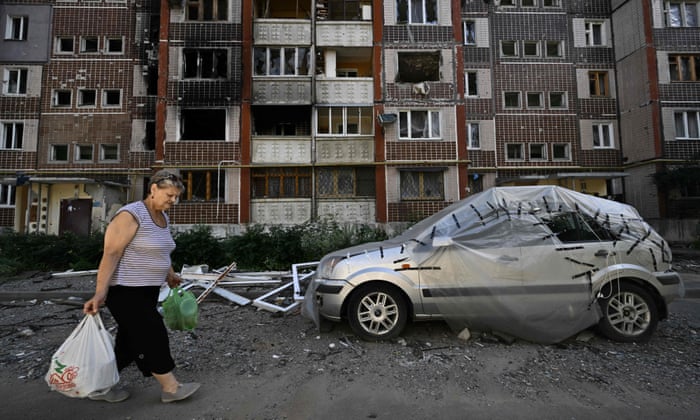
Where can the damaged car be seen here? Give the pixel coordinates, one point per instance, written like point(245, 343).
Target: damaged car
point(540, 263)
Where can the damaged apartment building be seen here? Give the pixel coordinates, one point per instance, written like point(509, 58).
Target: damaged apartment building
point(359, 111)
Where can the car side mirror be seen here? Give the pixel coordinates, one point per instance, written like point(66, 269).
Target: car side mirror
point(442, 241)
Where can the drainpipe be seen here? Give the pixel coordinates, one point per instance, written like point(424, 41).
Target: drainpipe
point(163, 58)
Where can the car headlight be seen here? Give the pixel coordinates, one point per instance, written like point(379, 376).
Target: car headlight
point(325, 270)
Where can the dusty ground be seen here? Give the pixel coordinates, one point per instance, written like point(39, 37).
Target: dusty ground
point(254, 364)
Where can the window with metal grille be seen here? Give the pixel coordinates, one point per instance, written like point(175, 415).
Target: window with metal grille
point(422, 185)
point(345, 182)
point(281, 183)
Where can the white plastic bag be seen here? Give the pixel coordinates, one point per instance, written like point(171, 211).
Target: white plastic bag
point(85, 362)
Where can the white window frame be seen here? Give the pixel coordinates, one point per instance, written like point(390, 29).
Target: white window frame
point(590, 33)
point(105, 94)
point(560, 49)
point(469, 40)
point(54, 151)
point(21, 76)
point(16, 28)
point(15, 131)
point(567, 152)
point(544, 152)
point(7, 195)
point(684, 7)
point(107, 148)
point(473, 136)
point(604, 135)
point(687, 120)
point(519, 147)
point(411, 20)
point(431, 116)
point(471, 74)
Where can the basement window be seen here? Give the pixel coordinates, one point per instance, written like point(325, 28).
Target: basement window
point(416, 67)
point(205, 64)
point(203, 124)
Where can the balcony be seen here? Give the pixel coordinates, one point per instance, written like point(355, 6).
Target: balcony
point(345, 34)
point(282, 90)
point(281, 150)
point(282, 32)
point(345, 150)
point(356, 90)
point(280, 211)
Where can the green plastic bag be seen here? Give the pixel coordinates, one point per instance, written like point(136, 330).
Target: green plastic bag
point(180, 310)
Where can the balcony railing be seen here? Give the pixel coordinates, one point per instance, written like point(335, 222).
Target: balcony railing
point(282, 32)
point(353, 90)
point(345, 34)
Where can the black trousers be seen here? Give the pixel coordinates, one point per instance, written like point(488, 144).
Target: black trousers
point(141, 334)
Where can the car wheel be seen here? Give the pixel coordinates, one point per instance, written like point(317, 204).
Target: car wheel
point(377, 312)
point(629, 313)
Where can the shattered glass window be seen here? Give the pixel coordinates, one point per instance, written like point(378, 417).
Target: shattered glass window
point(575, 227)
point(415, 67)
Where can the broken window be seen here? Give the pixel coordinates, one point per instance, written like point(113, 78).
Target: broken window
point(149, 142)
point(684, 68)
point(12, 135)
point(554, 49)
point(203, 124)
point(207, 10)
point(344, 10)
point(598, 83)
point(557, 100)
point(575, 227)
point(281, 121)
point(15, 81)
point(416, 67)
point(561, 151)
point(205, 63)
point(344, 120)
point(64, 45)
point(114, 45)
point(83, 152)
point(345, 182)
point(417, 124)
point(282, 61)
point(281, 183)
point(417, 11)
point(109, 152)
point(282, 9)
point(58, 153)
point(422, 184)
point(16, 28)
point(538, 151)
point(203, 186)
point(89, 44)
point(111, 98)
point(473, 141)
point(469, 32)
point(87, 97)
point(470, 84)
point(514, 151)
point(62, 98)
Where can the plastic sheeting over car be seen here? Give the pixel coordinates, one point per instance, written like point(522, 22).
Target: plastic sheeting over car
point(526, 261)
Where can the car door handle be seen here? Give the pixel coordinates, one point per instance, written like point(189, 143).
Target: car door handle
point(602, 253)
point(507, 258)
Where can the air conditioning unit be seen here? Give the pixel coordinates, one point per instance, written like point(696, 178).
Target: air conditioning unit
point(421, 88)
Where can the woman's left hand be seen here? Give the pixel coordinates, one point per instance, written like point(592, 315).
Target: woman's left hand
point(173, 280)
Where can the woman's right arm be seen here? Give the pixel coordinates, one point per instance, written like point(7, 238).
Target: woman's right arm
point(119, 233)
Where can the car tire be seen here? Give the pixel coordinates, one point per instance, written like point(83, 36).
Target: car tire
point(377, 312)
point(629, 311)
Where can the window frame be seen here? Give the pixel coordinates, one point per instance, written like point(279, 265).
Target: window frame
point(16, 130)
point(473, 142)
point(300, 178)
point(564, 96)
point(84, 99)
point(543, 149)
point(16, 28)
point(57, 93)
point(431, 116)
point(540, 100)
point(536, 44)
point(687, 129)
point(329, 180)
point(21, 81)
point(683, 9)
point(408, 13)
point(567, 152)
point(469, 32)
point(80, 148)
point(84, 44)
point(200, 71)
point(590, 34)
point(7, 196)
point(345, 117)
point(471, 74)
point(105, 96)
point(604, 135)
point(56, 151)
point(201, 6)
point(109, 40)
point(677, 68)
point(108, 152)
point(554, 4)
point(508, 42)
point(560, 49)
point(599, 83)
point(59, 42)
point(298, 61)
point(519, 99)
point(206, 182)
